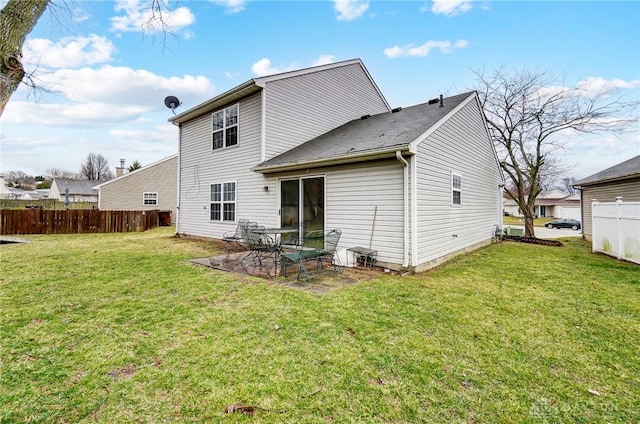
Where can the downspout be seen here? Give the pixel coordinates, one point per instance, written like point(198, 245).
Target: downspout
point(178, 177)
point(405, 262)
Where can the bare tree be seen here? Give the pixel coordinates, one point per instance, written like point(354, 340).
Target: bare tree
point(17, 20)
point(60, 173)
point(567, 185)
point(96, 168)
point(529, 115)
point(20, 179)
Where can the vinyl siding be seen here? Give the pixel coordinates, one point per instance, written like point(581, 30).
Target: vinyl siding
point(200, 167)
point(126, 192)
point(352, 196)
point(607, 192)
point(461, 145)
point(306, 106)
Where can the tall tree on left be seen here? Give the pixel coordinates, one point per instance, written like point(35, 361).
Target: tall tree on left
point(17, 19)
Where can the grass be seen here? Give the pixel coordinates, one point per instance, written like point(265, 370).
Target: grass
point(120, 328)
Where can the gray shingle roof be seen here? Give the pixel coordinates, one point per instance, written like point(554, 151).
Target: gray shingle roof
point(81, 187)
point(626, 169)
point(361, 138)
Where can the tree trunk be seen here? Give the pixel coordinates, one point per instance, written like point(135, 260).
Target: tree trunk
point(528, 224)
point(17, 19)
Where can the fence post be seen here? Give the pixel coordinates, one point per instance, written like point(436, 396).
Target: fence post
point(619, 226)
point(594, 240)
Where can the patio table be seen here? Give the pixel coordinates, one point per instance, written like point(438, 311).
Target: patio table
point(265, 243)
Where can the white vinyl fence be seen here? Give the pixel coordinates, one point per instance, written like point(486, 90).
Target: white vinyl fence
point(616, 229)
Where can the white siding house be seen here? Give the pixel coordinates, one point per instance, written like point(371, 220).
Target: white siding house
point(153, 186)
point(321, 145)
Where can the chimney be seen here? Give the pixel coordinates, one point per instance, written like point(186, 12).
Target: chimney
point(120, 170)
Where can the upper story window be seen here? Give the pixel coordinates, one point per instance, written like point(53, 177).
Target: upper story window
point(149, 199)
point(456, 189)
point(223, 202)
point(224, 124)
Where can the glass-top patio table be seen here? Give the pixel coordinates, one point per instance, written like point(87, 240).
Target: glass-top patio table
point(265, 243)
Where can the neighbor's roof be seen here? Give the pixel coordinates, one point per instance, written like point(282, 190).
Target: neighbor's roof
point(367, 138)
point(84, 187)
point(621, 171)
point(128, 174)
point(254, 85)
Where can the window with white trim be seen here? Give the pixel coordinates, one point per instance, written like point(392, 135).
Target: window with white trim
point(149, 199)
point(223, 202)
point(224, 127)
point(456, 189)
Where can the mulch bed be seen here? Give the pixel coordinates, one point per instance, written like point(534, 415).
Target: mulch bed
point(533, 240)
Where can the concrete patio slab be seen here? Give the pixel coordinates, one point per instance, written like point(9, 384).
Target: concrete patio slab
point(322, 280)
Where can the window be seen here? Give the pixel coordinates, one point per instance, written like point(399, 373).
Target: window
point(224, 124)
point(456, 189)
point(223, 202)
point(150, 199)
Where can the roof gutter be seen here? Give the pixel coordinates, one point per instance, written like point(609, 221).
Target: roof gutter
point(336, 160)
point(212, 104)
point(580, 184)
point(405, 261)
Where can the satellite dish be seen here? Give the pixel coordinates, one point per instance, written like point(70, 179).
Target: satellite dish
point(172, 103)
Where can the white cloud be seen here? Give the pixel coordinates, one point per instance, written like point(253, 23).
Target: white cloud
point(68, 52)
point(123, 95)
point(324, 59)
point(78, 115)
point(79, 15)
point(263, 67)
point(411, 50)
point(232, 6)
point(349, 10)
point(590, 87)
point(140, 17)
point(160, 134)
point(596, 85)
point(450, 7)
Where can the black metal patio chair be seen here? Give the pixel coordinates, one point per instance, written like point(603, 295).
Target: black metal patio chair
point(261, 247)
point(234, 240)
point(319, 246)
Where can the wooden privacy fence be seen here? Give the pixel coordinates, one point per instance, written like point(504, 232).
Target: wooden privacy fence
point(39, 221)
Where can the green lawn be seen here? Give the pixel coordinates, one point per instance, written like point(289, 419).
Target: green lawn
point(120, 328)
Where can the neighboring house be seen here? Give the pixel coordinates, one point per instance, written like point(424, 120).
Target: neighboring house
point(550, 204)
point(12, 193)
point(151, 187)
point(41, 193)
point(321, 145)
point(5, 193)
point(621, 180)
point(79, 190)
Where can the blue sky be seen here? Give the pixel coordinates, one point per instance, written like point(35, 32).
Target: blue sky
point(106, 76)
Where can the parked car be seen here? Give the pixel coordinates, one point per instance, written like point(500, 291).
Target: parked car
point(574, 224)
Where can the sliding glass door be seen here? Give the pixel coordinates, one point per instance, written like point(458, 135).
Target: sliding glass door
point(302, 201)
